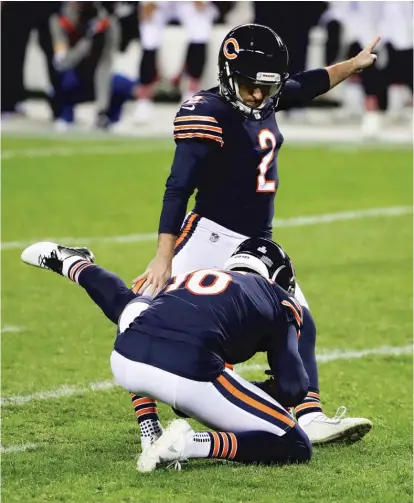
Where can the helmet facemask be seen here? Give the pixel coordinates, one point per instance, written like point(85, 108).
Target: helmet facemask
point(271, 88)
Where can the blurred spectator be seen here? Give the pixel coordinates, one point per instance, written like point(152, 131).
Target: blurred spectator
point(126, 13)
point(292, 21)
point(361, 22)
point(18, 19)
point(397, 33)
point(197, 18)
point(85, 40)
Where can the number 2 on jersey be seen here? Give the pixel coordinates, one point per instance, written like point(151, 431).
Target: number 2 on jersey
point(266, 138)
point(194, 282)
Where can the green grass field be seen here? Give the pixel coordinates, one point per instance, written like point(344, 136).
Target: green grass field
point(356, 274)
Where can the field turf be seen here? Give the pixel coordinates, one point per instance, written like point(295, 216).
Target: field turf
point(67, 440)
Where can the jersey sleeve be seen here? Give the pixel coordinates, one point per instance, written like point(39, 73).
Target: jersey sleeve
point(198, 118)
point(303, 87)
point(189, 160)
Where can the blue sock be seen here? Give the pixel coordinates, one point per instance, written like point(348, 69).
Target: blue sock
point(307, 343)
point(261, 446)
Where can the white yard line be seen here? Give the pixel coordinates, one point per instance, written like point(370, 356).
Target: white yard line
point(13, 329)
point(18, 448)
point(327, 356)
point(330, 356)
point(392, 211)
point(327, 218)
point(35, 153)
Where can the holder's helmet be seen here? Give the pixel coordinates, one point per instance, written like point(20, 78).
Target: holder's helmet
point(265, 257)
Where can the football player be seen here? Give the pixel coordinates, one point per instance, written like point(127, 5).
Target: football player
point(175, 347)
point(122, 306)
point(227, 143)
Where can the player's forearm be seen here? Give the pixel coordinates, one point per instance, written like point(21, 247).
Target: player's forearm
point(166, 245)
point(291, 379)
point(341, 71)
point(173, 212)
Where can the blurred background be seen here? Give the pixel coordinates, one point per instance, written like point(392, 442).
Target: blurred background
point(124, 67)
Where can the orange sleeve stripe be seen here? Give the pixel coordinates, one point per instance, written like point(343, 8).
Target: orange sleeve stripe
point(254, 403)
point(229, 366)
point(307, 405)
point(313, 394)
point(295, 312)
point(199, 135)
point(216, 444)
point(199, 126)
point(225, 444)
point(138, 285)
point(234, 446)
point(186, 230)
point(196, 118)
point(148, 410)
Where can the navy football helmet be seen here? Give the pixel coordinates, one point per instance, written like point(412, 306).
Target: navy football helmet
point(265, 257)
point(255, 53)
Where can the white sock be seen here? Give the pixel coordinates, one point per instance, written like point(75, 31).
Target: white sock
point(150, 430)
point(68, 263)
point(198, 446)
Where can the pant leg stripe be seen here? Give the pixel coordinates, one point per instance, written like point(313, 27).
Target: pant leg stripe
point(253, 405)
point(251, 394)
point(188, 230)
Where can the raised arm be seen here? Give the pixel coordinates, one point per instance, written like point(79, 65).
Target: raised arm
point(303, 87)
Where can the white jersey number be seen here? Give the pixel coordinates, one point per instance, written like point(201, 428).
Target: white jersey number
point(194, 282)
point(266, 139)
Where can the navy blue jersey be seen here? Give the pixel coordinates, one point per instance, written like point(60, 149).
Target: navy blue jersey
point(207, 318)
point(231, 161)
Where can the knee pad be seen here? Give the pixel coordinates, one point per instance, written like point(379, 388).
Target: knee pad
point(147, 71)
point(196, 57)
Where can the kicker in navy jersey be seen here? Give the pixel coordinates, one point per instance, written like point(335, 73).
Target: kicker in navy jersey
point(230, 160)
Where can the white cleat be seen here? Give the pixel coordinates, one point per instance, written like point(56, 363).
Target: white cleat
point(48, 255)
point(169, 447)
point(322, 429)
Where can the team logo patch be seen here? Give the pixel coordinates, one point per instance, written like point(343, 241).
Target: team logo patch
point(214, 237)
point(228, 47)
